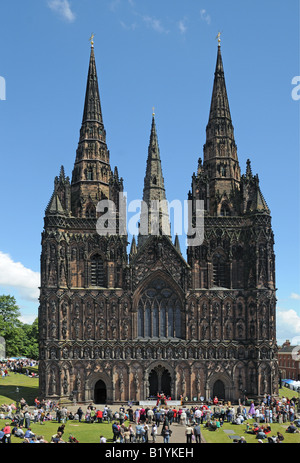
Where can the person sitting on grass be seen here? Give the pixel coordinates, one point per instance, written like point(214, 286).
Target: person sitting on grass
point(28, 434)
point(56, 439)
point(19, 432)
point(212, 425)
point(266, 429)
point(260, 435)
point(242, 440)
point(254, 430)
point(6, 439)
point(292, 429)
point(41, 440)
point(279, 436)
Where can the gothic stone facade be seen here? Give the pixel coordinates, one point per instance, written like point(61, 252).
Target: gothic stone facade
point(117, 327)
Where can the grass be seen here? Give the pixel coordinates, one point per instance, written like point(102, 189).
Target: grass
point(221, 437)
point(28, 388)
point(84, 432)
point(88, 433)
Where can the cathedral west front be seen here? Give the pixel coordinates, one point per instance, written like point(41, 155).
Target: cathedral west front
point(118, 325)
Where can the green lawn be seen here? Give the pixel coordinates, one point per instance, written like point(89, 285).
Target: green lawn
point(28, 388)
point(84, 432)
point(221, 437)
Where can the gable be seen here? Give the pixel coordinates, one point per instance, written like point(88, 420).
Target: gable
point(159, 254)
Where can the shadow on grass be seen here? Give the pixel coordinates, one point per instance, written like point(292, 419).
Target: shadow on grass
point(8, 393)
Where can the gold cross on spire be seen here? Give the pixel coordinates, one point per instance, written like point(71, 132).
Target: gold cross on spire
point(91, 39)
point(153, 113)
point(219, 38)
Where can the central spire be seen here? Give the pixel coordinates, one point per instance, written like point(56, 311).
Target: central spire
point(154, 212)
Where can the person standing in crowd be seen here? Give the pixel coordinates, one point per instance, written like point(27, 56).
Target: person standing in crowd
point(116, 431)
point(80, 414)
point(27, 419)
point(167, 434)
point(189, 433)
point(154, 432)
point(197, 433)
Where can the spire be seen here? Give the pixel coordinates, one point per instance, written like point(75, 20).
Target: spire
point(248, 169)
point(92, 106)
point(219, 102)
point(59, 203)
point(220, 161)
point(253, 198)
point(92, 172)
point(177, 244)
point(133, 249)
point(154, 215)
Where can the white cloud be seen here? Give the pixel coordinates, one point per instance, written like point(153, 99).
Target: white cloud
point(28, 319)
point(182, 26)
point(154, 24)
point(295, 296)
point(15, 275)
point(288, 324)
point(128, 27)
point(205, 16)
point(63, 8)
point(114, 4)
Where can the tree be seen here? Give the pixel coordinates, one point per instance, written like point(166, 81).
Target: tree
point(21, 339)
point(10, 324)
point(31, 337)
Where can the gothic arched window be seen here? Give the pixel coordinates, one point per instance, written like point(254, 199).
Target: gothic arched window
point(219, 271)
point(97, 271)
point(225, 211)
point(90, 211)
point(148, 322)
point(159, 311)
point(140, 322)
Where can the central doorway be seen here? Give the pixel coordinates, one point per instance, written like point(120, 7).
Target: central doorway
point(219, 390)
point(100, 392)
point(159, 381)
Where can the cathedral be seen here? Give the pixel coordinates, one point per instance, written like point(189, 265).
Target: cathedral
point(122, 324)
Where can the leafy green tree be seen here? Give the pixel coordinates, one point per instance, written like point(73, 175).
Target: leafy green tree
point(10, 324)
point(21, 339)
point(31, 335)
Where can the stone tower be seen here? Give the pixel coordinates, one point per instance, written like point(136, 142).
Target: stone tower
point(233, 270)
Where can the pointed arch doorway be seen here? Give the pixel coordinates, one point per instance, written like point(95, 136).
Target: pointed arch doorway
point(159, 381)
point(100, 393)
point(219, 390)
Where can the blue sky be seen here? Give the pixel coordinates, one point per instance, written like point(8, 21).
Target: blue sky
point(148, 53)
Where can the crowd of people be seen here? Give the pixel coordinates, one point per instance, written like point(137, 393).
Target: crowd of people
point(144, 424)
point(21, 365)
